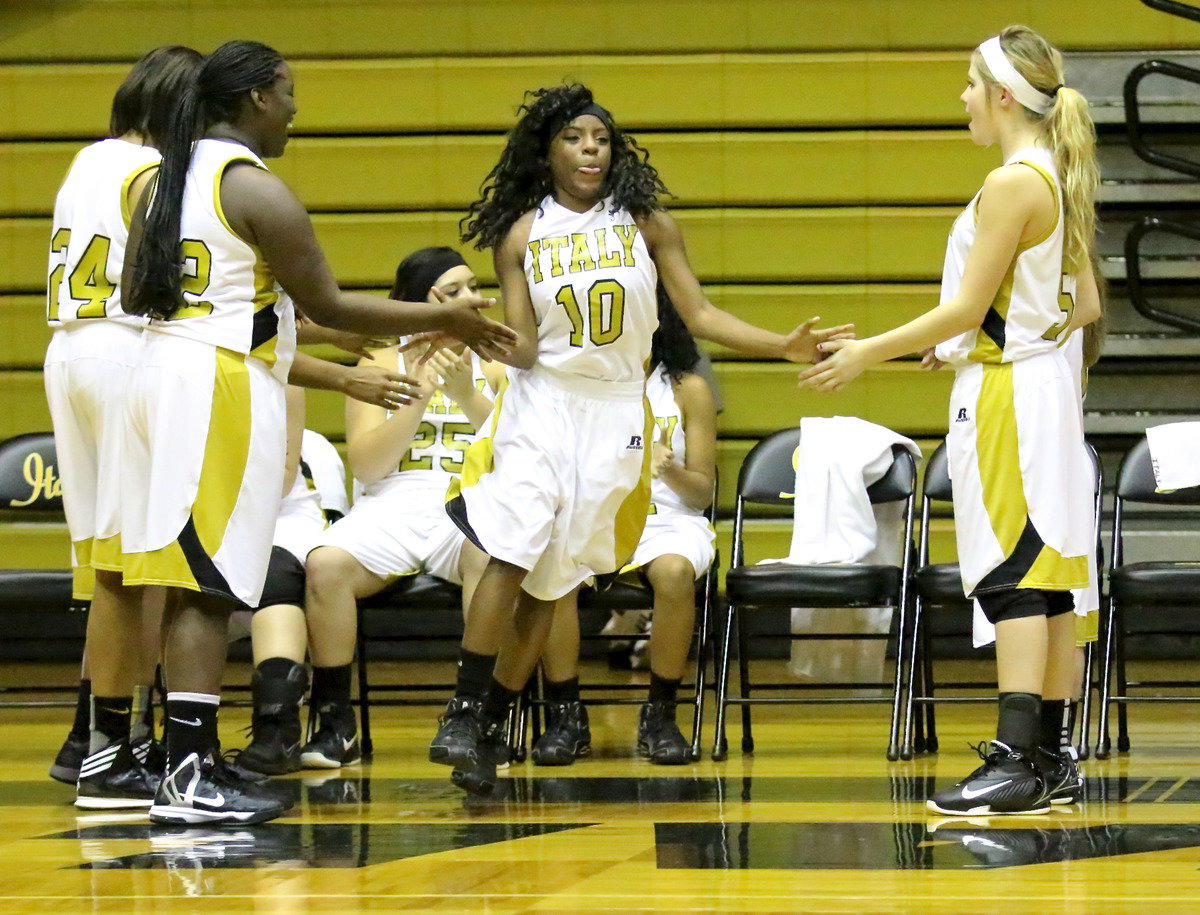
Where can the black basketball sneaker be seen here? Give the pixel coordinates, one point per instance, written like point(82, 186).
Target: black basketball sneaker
point(208, 791)
point(70, 757)
point(567, 736)
point(275, 743)
point(113, 779)
point(336, 742)
point(1064, 783)
point(458, 733)
point(491, 751)
point(659, 738)
point(1008, 782)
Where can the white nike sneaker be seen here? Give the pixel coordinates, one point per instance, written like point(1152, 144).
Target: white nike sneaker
point(207, 791)
point(1007, 783)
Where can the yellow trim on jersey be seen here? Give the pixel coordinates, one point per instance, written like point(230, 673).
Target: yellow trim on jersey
point(265, 296)
point(82, 550)
point(226, 452)
point(985, 348)
point(106, 554)
point(217, 191)
point(631, 516)
point(133, 176)
point(1087, 628)
point(997, 449)
point(480, 458)
point(1049, 179)
point(83, 583)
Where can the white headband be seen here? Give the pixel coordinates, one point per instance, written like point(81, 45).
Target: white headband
point(1008, 77)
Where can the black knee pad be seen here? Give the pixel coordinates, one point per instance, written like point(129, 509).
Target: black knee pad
point(285, 580)
point(1013, 604)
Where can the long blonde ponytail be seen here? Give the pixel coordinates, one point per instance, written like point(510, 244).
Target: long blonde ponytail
point(1070, 134)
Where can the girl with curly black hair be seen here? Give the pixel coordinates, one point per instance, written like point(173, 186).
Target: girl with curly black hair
point(557, 488)
point(675, 549)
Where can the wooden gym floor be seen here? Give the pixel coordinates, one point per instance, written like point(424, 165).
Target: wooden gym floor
point(815, 820)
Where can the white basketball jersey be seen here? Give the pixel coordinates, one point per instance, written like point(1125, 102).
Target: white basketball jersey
point(1034, 302)
point(439, 444)
point(668, 417)
point(592, 283)
point(232, 300)
point(91, 227)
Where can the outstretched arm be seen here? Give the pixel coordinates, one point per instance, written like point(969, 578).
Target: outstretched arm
point(261, 208)
point(1010, 197)
point(372, 384)
point(708, 322)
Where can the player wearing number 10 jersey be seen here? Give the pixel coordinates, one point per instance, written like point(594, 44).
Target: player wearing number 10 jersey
point(557, 488)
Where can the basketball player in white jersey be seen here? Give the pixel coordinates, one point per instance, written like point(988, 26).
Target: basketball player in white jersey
point(558, 489)
point(94, 345)
point(1018, 281)
point(87, 365)
point(205, 443)
point(403, 459)
point(676, 548)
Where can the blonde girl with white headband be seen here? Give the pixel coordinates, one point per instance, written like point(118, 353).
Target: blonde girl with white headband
point(1017, 282)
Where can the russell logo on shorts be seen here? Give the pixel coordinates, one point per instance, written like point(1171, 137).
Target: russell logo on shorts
point(962, 416)
point(635, 443)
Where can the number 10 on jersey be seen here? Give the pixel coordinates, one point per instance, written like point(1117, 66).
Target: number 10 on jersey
point(605, 319)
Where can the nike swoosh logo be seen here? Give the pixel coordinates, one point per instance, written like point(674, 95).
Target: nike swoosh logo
point(347, 744)
point(218, 801)
point(971, 795)
point(191, 722)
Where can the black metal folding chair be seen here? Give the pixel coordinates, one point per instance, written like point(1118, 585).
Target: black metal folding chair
point(938, 587)
point(1170, 586)
point(767, 477)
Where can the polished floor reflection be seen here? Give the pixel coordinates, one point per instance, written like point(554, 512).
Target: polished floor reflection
point(816, 819)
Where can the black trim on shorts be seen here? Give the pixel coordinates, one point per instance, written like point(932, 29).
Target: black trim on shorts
point(1012, 571)
point(203, 569)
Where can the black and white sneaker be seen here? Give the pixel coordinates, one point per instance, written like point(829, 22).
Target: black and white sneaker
point(275, 726)
point(567, 736)
point(659, 738)
point(208, 791)
point(70, 757)
point(1064, 783)
point(458, 733)
point(152, 754)
point(336, 742)
point(1008, 782)
point(491, 751)
point(112, 779)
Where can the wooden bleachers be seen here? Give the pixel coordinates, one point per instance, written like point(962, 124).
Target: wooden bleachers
point(816, 153)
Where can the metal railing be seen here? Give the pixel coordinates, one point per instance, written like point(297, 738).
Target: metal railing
point(1134, 283)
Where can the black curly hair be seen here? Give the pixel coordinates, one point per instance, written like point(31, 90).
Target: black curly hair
point(673, 347)
point(521, 179)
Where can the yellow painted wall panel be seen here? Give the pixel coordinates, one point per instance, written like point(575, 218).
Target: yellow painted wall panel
point(840, 168)
point(436, 95)
point(34, 546)
point(24, 397)
point(763, 397)
point(762, 245)
point(58, 29)
point(23, 331)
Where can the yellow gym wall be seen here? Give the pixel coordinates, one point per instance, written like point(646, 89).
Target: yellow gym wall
point(815, 149)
